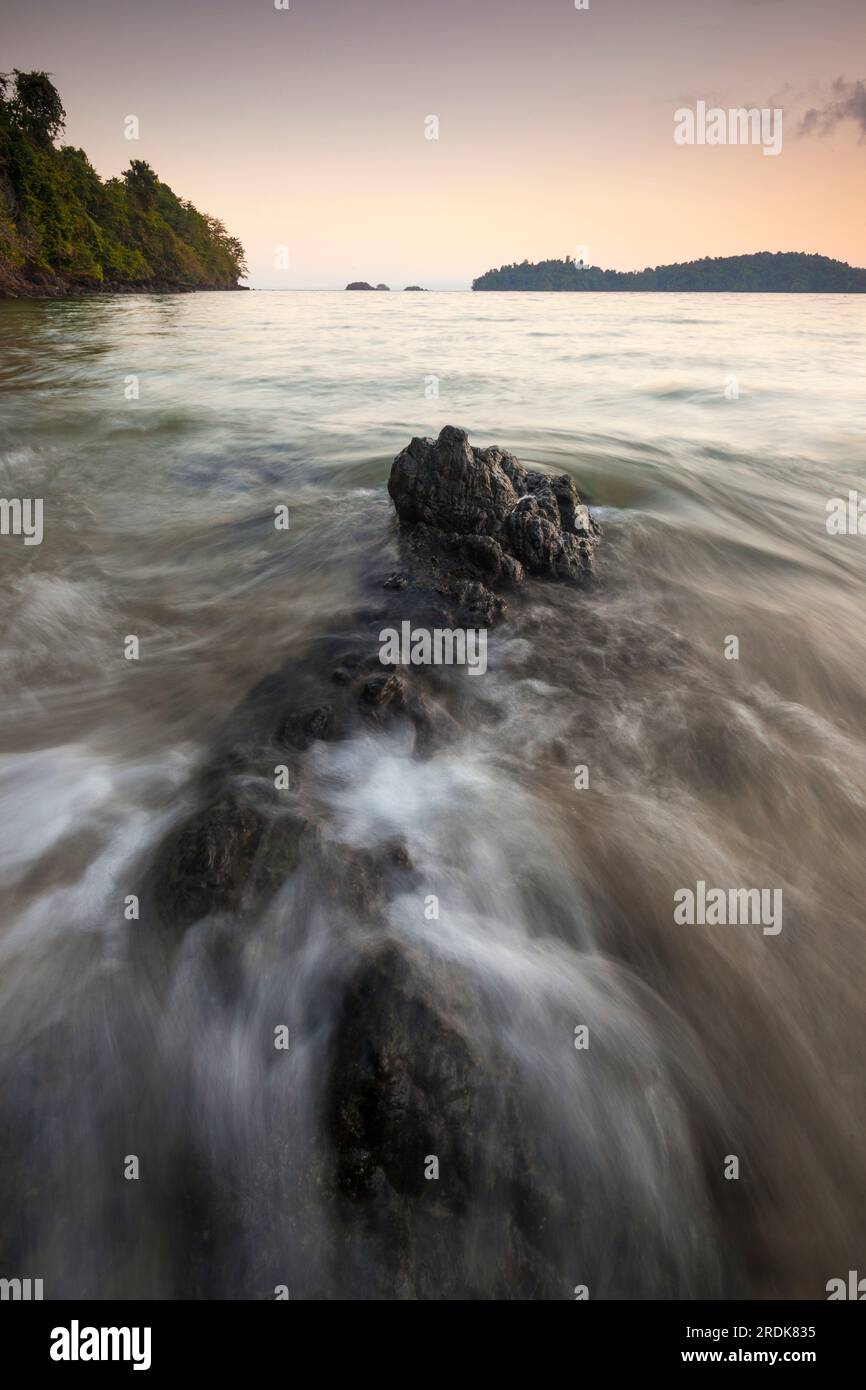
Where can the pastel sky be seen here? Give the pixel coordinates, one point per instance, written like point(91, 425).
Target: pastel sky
point(306, 127)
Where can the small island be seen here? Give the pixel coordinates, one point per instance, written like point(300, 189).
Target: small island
point(765, 272)
point(419, 289)
point(363, 285)
point(63, 231)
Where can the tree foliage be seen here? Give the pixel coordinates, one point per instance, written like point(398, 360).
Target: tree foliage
point(59, 218)
point(766, 272)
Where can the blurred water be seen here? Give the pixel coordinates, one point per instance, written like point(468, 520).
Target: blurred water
point(709, 431)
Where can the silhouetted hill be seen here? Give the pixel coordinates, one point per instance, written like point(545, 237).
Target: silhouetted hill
point(766, 272)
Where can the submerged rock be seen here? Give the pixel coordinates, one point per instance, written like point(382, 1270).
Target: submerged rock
point(204, 865)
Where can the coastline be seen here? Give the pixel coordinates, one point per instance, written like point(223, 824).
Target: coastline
point(60, 288)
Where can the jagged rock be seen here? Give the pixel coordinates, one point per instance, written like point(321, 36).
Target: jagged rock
point(505, 515)
point(450, 486)
point(488, 555)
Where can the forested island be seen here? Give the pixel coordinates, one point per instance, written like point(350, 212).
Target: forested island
point(65, 231)
point(766, 272)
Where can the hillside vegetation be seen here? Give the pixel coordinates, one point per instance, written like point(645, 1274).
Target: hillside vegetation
point(63, 229)
point(766, 272)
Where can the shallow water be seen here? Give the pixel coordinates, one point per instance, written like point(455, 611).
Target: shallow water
point(709, 432)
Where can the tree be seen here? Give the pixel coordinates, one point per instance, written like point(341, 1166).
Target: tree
point(36, 106)
point(142, 183)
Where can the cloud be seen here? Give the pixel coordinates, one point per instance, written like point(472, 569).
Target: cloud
point(847, 102)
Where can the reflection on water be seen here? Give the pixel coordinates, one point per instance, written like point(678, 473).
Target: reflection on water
point(710, 432)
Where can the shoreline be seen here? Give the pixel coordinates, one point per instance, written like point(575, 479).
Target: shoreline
point(69, 289)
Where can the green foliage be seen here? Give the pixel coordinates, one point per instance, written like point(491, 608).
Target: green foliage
point(58, 218)
point(781, 272)
point(36, 106)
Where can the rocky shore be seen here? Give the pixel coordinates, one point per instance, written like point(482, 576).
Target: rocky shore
point(405, 1079)
point(43, 284)
point(473, 524)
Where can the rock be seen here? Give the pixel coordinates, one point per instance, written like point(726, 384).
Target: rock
point(401, 1082)
point(383, 692)
point(418, 288)
point(359, 285)
point(204, 866)
point(488, 555)
point(383, 287)
point(451, 486)
point(479, 606)
point(301, 729)
point(501, 515)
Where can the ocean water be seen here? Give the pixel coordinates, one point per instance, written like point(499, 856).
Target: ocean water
point(708, 433)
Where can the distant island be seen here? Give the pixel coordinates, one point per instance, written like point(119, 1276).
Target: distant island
point(65, 231)
point(364, 285)
point(765, 272)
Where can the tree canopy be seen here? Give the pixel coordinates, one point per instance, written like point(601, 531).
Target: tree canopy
point(780, 272)
point(59, 221)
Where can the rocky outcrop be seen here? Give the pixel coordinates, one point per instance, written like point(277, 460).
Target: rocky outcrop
point(475, 524)
point(407, 1078)
point(502, 516)
point(363, 285)
point(420, 289)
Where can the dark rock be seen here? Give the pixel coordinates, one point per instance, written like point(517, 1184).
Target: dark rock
point(359, 285)
point(383, 692)
point(488, 555)
point(448, 485)
point(479, 606)
point(302, 729)
point(500, 515)
point(383, 287)
point(203, 867)
point(401, 1082)
point(539, 541)
point(396, 581)
point(419, 288)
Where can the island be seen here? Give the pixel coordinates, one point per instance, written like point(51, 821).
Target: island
point(765, 272)
point(418, 288)
point(63, 231)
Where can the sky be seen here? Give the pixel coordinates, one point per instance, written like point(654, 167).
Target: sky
point(308, 128)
